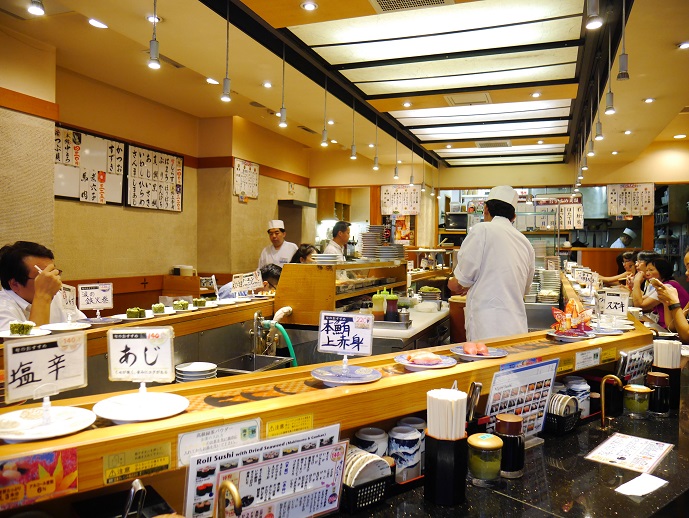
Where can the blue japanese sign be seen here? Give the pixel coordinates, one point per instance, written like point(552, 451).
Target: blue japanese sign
point(343, 333)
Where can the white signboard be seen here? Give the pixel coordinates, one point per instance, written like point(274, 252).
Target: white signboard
point(245, 178)
point(630, 199)
point(217, 438)
point(615, 303)
point(69, 298)
point(95, 296)
point(37, 367)
point(400, 199)
point(345, 333)
point(586, 359)
point(141, 354)
point(247, 281)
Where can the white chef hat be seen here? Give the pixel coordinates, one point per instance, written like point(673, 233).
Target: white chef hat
point(276, 223)
point(629, 232)
point(504, 193)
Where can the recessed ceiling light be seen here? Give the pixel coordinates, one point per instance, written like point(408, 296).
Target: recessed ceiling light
point(152, 19)
point(330, 122)
point(681, 135)
point(309, 6)
point(649, 100)
point(399, 161)
point(211, 81)
point(267, 84)
point(536, 95)
point(628, 132)
point(97, 24)
point(371, 145)
point(683, 45)
point(576, 189)
point(406, 104)
point(539, 142)
point(614, 152)
point(449, 146)
point(333, 141)
point(36, 8)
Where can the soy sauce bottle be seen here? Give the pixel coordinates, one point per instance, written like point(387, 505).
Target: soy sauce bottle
point(509, 428)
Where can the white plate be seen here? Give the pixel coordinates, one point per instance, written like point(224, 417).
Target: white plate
point(66, 326)
point(138, 407)
point(209, 304)
point(191, 308)
point(102, 321)
point(27, 424)
point(226, 302)
point(167, 311)
point(606, 331)
point(569, 339)
point(34, 332)
point(332, 376)
point(445, 362)
point(195, 367)
point(125, 318)
point(494, 352)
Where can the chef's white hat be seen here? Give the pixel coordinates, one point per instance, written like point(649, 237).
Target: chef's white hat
point(629, 232)
point(276, 223)
point(504, 193)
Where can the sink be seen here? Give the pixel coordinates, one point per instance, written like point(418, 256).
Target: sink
point(247, 363)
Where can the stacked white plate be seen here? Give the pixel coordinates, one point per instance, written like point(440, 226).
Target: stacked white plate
point(195, 371)
point(370, 241)
point(429, 295)
point(362, 466)
point(377, 228)
point(327, 258)
point(390, 253)
point(550, 286)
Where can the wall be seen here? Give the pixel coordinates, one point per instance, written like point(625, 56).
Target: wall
point(28, 65)
point(537, 175)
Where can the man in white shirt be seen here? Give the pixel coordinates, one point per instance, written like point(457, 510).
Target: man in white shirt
point(279, 251)
point(338, 243)
point(628, 235)
point(498, 263)
point(30, 286)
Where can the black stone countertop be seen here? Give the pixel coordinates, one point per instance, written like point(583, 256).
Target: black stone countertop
point(558, 481)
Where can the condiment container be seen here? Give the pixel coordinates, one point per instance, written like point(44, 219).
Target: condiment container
point(404, 445)
point(404, 315)
point(378, 306)
point(484, 458)
point(636, 401)
point(509, 428)
point(420, 425)
point(391, 314)
point(372, 440)
point(578, 388)
point(659, 403)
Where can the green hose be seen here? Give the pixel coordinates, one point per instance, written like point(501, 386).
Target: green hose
point(267, 324)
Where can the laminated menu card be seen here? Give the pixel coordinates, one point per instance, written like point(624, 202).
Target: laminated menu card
point(630, 452)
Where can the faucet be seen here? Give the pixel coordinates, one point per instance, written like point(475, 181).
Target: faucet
point(227, 486)
point(618, 382)
point(257, 332)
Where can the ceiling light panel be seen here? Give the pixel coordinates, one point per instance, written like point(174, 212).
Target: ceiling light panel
point(491, 131)
point(507, 160)
point(501, 151)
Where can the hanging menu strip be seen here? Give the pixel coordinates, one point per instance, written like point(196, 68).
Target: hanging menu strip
point(630, 199)
point(245, 178)
point(400, 199)
point(154, 180)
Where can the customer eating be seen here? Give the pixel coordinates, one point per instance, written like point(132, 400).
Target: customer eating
point(675, 312)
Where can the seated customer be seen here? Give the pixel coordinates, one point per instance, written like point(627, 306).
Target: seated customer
point(644, 295)
point(304, 254)
point(675, 311)
point(628, 264)
point(31, 286)
point(270, 273)
point(660, 269)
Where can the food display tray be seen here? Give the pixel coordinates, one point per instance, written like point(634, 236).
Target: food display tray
point(385, 324)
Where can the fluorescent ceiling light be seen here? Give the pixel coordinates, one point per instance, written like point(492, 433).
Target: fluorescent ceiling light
point(480, 131)
point(506, 160)
point(98, 25)
point(680, 136)
point(511, 150)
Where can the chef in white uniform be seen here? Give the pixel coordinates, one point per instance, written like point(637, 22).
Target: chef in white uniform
point(498, 263)
point(628, 235)
point(279, 251)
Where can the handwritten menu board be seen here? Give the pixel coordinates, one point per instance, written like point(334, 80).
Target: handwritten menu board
point(154, 180)
point(88, 168)
point(630, 199)
point(245, 178)
point(571, 213)
point(400, 199)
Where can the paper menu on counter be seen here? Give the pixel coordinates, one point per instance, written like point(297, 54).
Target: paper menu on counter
point(630, 452)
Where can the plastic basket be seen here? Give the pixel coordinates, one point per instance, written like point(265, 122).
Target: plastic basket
point(365, 495)
point(560, 425)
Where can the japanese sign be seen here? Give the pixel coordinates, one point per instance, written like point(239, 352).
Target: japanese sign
point(36, 367)
point(400, 199)
point(630, 199)
point(155, 180)
point(69, 297)
point(245, 178)
point(344, 333)
point(247, 281)
point(268, 472)
point(141, 354)
point(586, 359)
point(95, 296)
point(217, 438)
point(38, 477)
point(615, 303)
point(138, 462)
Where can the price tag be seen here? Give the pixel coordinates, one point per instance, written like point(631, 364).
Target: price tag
point(36, 367)
point(616, 303)
point(216, 438)
point(343, 333)
point(95, 296)
point(141, 354)
point(586, 359)
point(69, 297)
point(247, 281)
point(410, 265)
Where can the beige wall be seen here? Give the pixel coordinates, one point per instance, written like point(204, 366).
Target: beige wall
point(27, 65)
point(537, 175)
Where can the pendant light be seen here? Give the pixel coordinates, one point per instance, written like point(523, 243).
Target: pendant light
point(592, 151)
point(375, 159)
point(599, 126)
point(225, 97)
point(423, 181)
point(283, 110)
point(411, 176)
point(353, 155)
point(609, 97)
point(36, 8)
point(396, 176)
point(593, 19)
point(324, 140)
point(153, 50)
point(624, 58)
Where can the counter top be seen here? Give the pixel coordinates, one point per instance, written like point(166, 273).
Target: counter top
point(559, 481)
point(419, 322)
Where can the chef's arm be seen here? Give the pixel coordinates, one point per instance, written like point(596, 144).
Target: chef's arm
point(455, 287)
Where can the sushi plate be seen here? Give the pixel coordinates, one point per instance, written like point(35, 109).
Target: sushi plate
point(564, 338)
point(65, 326)
point(138, 407)
point(333, 376)
point(494, 352)
point(446, 362)
point(34, 332)
point(28, 425)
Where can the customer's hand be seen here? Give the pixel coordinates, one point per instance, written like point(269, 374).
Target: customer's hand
point(47, 283)
point(638, 279)
point(667, 294)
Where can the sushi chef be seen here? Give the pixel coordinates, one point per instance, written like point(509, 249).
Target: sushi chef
point(30, 286)
point(628, 235)
point(495, 266)
point(338, 243)
point(279, 251)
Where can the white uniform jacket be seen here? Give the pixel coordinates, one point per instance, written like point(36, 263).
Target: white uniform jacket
point(279, 257)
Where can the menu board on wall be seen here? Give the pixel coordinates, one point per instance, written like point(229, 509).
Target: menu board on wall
point(630, 199)
point(245, 178)
point(154, 180)
point(400, 199)
point(88, 168)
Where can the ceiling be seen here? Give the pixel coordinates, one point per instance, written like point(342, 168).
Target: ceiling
point(468, 68)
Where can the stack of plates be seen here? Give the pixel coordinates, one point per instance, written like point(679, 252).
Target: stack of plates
point(390, 253)
point(195, 371)
point(377, 228)
point(327, 258)
point(550, 280)
point(429, 295)
point(539, 248)
point(370, 243)
point(533, 292)
point(549, 296)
